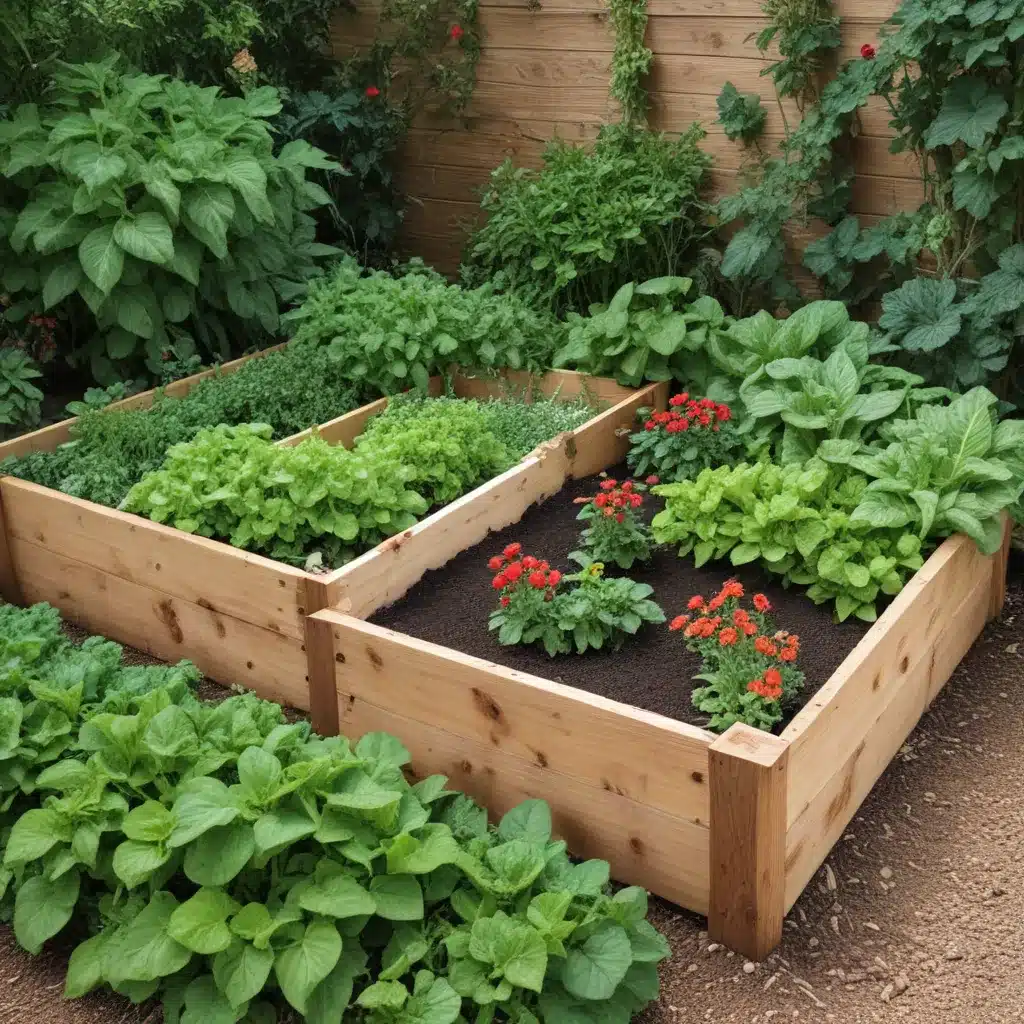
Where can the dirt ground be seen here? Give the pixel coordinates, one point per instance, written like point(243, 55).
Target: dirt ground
point(917, 917)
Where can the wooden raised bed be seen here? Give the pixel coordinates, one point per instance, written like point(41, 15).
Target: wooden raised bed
point(730, 826)
point(240, 617)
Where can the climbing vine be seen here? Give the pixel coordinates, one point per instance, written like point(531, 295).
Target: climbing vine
point(631, 60)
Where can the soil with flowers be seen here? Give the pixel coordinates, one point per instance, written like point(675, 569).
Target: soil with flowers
point(653, 670)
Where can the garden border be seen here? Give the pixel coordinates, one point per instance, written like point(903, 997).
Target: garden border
point(240, 617)
point(731, 826)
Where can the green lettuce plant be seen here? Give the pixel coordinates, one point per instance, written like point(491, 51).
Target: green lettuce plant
point(155, 213)
point(20, 400)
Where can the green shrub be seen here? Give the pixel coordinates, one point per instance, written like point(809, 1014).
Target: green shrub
point(240, 868)
point(572, 233)
point(394, 333)
point(154, 212)
point(20, 400)
point(290, 390)
point(523, 425)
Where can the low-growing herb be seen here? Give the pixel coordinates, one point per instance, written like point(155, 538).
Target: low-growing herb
point(748, 667)
point(20, 400)
point(617, 534)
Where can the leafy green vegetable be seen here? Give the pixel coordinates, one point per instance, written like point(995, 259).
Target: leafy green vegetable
point(740, 114)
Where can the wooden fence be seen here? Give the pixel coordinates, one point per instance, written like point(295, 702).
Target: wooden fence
point(544, 72)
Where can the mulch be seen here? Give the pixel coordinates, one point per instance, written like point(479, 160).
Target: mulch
point(653, 671)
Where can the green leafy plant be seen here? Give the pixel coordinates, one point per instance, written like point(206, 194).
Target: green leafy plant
point(740, 114)
point(748, 666)
point(393, 333)
point(677, 443)
point(631, 60)
point(950, 469)
point(20, 400)
point(290, 390)
point(524, 419)
point(643, 335)
point(598, 613)
point(617, 534)
point(95, 399)
point(795, 521)
point(236, 866)
point(571, 234)
point(234, 484)
point(164, 219)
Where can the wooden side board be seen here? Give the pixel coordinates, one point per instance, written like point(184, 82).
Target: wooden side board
point(386, 573)
point(624, 785)
point(47, 439)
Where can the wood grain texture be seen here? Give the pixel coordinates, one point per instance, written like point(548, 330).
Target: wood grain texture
point(320, 674)
point(226, 581)
point(747, 772)
point(226, 649)
point(10, 590)
point(999, 566)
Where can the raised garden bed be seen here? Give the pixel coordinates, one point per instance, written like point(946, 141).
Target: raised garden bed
point(730, 826)
point(240, 617)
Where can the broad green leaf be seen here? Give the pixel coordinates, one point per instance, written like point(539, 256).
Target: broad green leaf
point(281, 827)
point(217, 856)
point(241, 971)
point(134, 861)
point(203, 803)
point(200, 923)
point(85, 968)
point(302, 966)
point(419, 855)
point(397, 897)
point(61, 282)
point(143, 950)
point(434, 1003)
point(382, 747)
point(42, 908)
point(338, 896)
point(531, 821)
point(102, 258)
point(147, 236)
point(209, 209)
point(595, 969)
point(970, 111)
point(34, 834)
point(514, 948)
point(330, 999)
point(133, 314)
point(150, 822)
point(383, 995)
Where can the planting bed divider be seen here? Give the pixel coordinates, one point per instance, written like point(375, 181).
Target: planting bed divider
point(731, 826)
point(241, 617)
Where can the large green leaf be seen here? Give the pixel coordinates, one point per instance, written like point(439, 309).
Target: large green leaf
point(147, 236)
point(241, 971)
point(209, 210)
point(924, 312)
point(62, 280)
point(302, 966)
point(971, 110)
point(102, 258)
point(594, 970)
point(200, 923)
point(143, 950)
point(42, 908)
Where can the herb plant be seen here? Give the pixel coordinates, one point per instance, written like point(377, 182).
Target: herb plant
point(238, 867)
point(233, 483)
point(163, 218)
point(748, 667)
point(691, 435)
point(20, 400)
point(523, 421)
point(795, 521)
point(598, 613)
point(740, 114)
point(393, 333)
point(616, 534)
point(571, 234)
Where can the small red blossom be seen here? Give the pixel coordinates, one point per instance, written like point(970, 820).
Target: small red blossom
point(723, 413)
point(627, 486)
point(740, 616)
point(513, 571)
point(554, 578)
point(456, 32)
point(608, 485)
point(749, 628)
point(538, 579)
point(495, 563)
point(716, 602)
point(650, 425)
point(499, 582)
point(732, 588)
point(601, 500)
point(696, 603)
point(676, 400)
point(773, 677)
point(678, 622)
point(529, 562)
point(372, 92)
point(609, 512)
point(620, 517)
point(652, 480)
point(728, 636)
point(704, 419)
point(764, 646)
point(788, 654)
point(512, 550)
point(761, 603)
point(867, 51)
point(505, 601)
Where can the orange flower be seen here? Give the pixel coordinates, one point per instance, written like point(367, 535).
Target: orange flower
point(717, 601)
point(749, 628)
point(764, 646)
point(761, 603)
point(773, 677)
point(733, 588)
point(740, 616)
point(728, 637)
point(696, 603)
point(788, 654)
point(678, 622)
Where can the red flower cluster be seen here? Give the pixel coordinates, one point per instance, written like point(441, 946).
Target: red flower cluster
point(699, 413)
point(510, 569)
point(867, 51)
point(456, 32)
point(768, 688)
point(616, 499)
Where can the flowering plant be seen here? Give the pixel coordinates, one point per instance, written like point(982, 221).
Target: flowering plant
point(616, 533)
point(597, 613)
point(749, 666)
point(691, 435)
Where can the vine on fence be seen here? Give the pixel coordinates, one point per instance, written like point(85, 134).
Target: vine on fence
point(631, 60)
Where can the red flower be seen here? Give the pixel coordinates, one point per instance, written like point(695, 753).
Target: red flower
point(681, 425)
point(732, 588)
point(529, 562)
point(678, 622)
point(554, 578)
point(607, 485)
point(538, 579)
point(609, 512)
point(652, 480)
point(512, 550)
point(695, 603)
point(756, 686)
point(636, 500)
point(601, 500)
point(456, 32)
point(717, 601)
point(620, 517)
point(650, 425)
point(513, 571)
point(761, 603)
point(740, 616)
point(678, 400)
point(704, 419)
point(505, 601)
point(627, 486)
point(499, 582)
point(788, 654)
point(723, 413)
point(764, 646)
point(684, 397)
point(372, 92)
point(495, 563)
point(867, 51)
point(748, 627)
point(728, 636)
point(773, 677)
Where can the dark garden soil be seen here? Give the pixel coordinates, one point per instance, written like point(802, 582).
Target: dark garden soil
point(450, 606)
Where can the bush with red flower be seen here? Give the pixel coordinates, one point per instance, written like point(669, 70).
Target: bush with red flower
point(748, 667)
point(617, 533)
point(580, 612)
point(691, 435)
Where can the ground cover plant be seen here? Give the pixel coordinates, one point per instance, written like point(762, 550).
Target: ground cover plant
point(576, 612)
point(238, 867)
point(395, 332)
point(747, 665)
point(166, 220)
point(617, 533)
point(111, 450)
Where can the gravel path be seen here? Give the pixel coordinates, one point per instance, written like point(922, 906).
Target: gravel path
point(918, 915)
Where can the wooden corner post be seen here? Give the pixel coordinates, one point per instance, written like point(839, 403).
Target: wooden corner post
point(999, 563)
point(10, 590)
point(320, 663)
point(747, 780)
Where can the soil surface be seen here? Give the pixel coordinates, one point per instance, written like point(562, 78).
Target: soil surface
point(916, 917)
point(450, 606)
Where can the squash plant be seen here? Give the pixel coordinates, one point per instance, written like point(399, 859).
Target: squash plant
point(160, 207)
